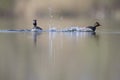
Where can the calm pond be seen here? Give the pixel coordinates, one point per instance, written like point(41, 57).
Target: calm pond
point(59, 56)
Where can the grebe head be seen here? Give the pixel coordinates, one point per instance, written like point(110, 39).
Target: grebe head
point(35, 22)
point(97, 24)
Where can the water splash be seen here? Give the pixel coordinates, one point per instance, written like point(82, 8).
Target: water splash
point(53, 29)
point(50, 13)
point(17, 30)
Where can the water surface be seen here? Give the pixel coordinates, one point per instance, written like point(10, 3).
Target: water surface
point(59, 56)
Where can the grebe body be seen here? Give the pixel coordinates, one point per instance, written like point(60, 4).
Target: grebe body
point(35, 27)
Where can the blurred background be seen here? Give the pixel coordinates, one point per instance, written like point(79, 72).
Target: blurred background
point(58, 13)
point(60, 56)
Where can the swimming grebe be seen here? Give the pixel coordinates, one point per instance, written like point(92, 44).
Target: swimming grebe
point(93, 28)
point(36, 28)
point(82, 29)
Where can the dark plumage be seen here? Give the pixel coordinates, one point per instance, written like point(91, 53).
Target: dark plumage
point(35, 22)
point(35, 28)
point(93, 28)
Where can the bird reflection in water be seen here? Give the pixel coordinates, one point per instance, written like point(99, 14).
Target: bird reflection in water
point(70, 34)
point(35, 35)
point(93, 33)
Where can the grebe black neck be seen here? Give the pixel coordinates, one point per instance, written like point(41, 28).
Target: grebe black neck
point(97, 24)
point(35, 23)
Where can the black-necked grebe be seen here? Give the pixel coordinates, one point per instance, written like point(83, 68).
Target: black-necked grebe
point(82, 29)
point(35, 27)
point(93, 28)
